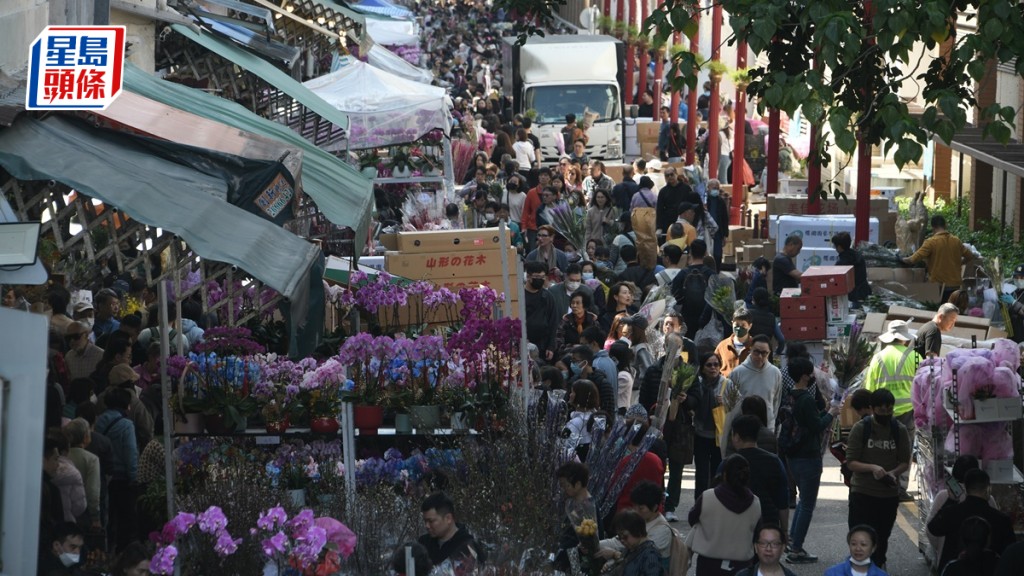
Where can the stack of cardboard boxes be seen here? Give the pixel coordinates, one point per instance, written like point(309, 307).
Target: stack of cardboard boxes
point(647, 136)
point(455, 259)
point(820, 308)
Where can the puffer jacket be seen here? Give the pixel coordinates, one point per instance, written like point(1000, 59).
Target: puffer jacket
point(72, 489)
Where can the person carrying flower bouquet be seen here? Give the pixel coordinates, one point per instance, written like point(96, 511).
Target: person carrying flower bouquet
point(579, 539)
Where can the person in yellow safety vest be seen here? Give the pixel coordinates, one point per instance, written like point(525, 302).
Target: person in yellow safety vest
point(893, 368)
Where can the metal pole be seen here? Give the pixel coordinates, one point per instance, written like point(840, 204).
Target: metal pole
point(960, 184)
point(165, 392)
point(692, 118)
point(506, 286)
point(524, 353)
point(410, 564)
point(348, 444)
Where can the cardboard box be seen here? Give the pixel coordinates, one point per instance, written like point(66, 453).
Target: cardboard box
point(909, 275)
point(647, 131)
point(887, 227)
point(834, 330)
point(817, 231)
point(793, 203)
point(986, 409)
point(802, 329)
point(614, 171)
point(389, 241)
point(922, 291)
point(1009, 408)
point(740, 235)
point(471, 264)
point(648, 149)
point(837, 308)
point(1000, 471)
point(827, 281)
point(793, 305)
point(753, 251)
point(445, 241)
point(769, 249)
point(815, 257)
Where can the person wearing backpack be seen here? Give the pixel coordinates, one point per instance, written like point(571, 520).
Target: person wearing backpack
point(800, 440)
point(690, 286)
point(878, 451)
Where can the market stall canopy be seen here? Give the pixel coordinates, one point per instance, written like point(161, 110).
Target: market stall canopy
point(341, 193)
point(383, 109)
point(384, 8)
point(392, 32)
point(380, 57)
point(140, 114)
point(158, 192)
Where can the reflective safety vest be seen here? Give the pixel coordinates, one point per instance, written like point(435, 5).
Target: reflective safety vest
point(893, 368)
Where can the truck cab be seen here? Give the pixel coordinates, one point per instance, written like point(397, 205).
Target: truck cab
point(553, 76)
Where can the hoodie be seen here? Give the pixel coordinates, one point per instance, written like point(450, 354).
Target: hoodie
point(723, 522)
point(765, 382)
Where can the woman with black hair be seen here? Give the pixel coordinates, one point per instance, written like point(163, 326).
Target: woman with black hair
point(724, 519)
point(976, 559)
point(133, 561)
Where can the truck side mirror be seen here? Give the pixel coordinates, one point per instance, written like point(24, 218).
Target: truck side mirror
point(633, 111)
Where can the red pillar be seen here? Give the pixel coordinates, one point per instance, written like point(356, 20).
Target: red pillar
point(644, 55)
point(813, 175)
point(774, 124)
point(739, 134)
point(630, 52)
point(659, 75)
point(863, 205)
point(674, 106)
point(691, 102)
point(715, 106)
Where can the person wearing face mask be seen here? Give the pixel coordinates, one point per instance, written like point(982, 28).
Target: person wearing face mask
point(734, 349)
point(578, 319)
point(719, 210)
point(862, 542)
point(503, 214)
point(64, 553)
point(564, 290)
point(541, 313)
point(515, 197)
point(877, 452)
point(82, 356)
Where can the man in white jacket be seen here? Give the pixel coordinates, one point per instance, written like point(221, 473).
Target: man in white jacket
point(758, 377)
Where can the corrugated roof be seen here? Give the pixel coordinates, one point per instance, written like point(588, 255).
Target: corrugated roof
point(343, 195)
point(12, 97)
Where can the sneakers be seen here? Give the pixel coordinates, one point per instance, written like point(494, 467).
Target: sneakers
point(801, 557)
point(671, 517)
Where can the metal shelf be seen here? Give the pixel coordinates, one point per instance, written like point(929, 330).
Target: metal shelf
point(980, 420)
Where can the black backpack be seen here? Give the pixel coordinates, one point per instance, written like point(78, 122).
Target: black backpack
point(790, 433)
point(650, 384)
point(694, 287)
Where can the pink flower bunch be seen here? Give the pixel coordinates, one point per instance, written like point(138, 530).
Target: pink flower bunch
point(211, 522)
point(302, 542)
point(328, 375)
point(477, 302)
point(380, 293)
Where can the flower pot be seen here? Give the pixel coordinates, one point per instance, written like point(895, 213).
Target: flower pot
point(401, 172)
point(324, 425)
point(403, 425)
point(217, 424)
point(460, 422)
point(278, 426)
point(297, 498)
point(368, 418)
point(369, 171)
point(425, 417)
point(192, 424)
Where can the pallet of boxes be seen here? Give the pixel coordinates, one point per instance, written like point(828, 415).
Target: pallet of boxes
point(820, 308)
point(456, 259)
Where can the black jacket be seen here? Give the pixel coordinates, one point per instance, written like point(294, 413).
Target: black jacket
point(462, 545)
point(949, 519)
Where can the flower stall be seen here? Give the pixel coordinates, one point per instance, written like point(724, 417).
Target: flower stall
point(388, 110)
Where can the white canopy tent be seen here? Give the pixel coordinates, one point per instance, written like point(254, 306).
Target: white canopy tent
point(385, 109)
point(392, 32)
point(381, 57)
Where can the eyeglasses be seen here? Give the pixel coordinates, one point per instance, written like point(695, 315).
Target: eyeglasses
point(757, 352)
point(772, 545)
point(712, 365)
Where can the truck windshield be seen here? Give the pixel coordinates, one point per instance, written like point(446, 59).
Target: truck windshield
point(552, 103)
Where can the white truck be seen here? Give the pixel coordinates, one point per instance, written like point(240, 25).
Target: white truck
point(553, 76)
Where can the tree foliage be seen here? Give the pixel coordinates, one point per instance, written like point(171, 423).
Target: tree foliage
point(844, 69)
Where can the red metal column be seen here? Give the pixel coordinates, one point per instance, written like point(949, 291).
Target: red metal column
point(863, 205)
point(630, 51)
point(739, 134)
point(645, 11)
point(774, 122)
point(692, 118)
point(715, 106)
point(674, 106)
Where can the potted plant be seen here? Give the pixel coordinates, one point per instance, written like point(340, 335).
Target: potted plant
point(427, 361)
point(186, 407)
point(716, 70)
point(322, 392)
point(227, 409)
point(401, 162)
point(741, 78)
point(368, 162)
point(398, 401)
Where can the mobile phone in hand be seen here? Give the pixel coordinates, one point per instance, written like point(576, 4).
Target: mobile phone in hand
point(956, 490)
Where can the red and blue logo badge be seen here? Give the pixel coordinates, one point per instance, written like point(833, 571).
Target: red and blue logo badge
point(75, 68)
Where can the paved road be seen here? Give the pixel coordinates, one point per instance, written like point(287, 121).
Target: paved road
point(827, 537)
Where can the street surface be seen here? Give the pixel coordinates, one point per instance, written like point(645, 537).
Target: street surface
point(827, 536)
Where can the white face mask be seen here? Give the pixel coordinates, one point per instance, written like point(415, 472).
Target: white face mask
point(68, 559)
point(1019, 283)
point(572, 286)
point(864, 562)
point(489, 215)
point(588, 275)
point(714, 191)
point(88, 322)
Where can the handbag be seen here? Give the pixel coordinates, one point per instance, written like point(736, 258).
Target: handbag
point(718, 413)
